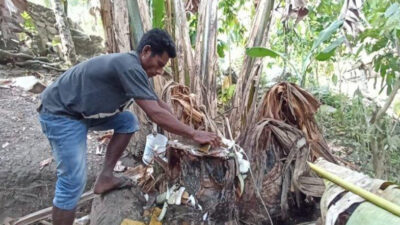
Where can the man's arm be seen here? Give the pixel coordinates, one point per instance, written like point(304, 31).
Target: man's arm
point(168, 122)
point(165, 106)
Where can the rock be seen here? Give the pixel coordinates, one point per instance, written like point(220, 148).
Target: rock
point(8, 44)
point(52, 30)
point(29, 83)
point(45, 22)
point(40, 24)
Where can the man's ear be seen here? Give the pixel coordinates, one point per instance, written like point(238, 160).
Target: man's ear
point(146, 50)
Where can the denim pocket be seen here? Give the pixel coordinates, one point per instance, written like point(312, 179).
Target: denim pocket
point(43, 125)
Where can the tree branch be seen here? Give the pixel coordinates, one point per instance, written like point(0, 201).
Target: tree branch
point(388, 102)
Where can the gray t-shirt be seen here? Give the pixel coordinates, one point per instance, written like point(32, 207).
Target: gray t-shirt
point(99, 87)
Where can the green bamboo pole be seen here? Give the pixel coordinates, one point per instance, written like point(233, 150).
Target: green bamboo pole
point(373, 198)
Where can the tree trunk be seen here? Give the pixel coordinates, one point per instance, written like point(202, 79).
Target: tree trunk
point(378, 155)
point(206, 61)
point(377, 138)
point(245, 93)
point(67, 44)
point(114, 15)
point(180, 29)
point(170, 28)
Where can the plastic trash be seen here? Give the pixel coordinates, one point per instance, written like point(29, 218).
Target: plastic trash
point(154, 143)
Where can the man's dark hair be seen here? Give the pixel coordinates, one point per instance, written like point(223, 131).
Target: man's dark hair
point(160, 42)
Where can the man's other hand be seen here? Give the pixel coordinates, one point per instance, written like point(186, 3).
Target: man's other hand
point(204, 137)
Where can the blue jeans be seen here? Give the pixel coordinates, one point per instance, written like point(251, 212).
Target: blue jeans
point(67, 138)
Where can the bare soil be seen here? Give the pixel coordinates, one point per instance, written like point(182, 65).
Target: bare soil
point(24, 187)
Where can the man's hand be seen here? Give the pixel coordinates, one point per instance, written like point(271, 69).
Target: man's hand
point(168, 121)
point(204, 137)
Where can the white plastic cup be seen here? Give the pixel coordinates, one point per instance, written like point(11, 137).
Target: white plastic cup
point(154, 143)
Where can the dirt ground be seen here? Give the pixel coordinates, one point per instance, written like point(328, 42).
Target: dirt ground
point(24, 187)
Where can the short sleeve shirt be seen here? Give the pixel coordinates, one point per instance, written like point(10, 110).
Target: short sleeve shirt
point(99, 87)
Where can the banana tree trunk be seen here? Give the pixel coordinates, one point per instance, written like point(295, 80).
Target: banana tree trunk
point(204, 78)
point(67, 45)
point(170, 27)
point(180, 28)
point(114, 15)
point(245, 93)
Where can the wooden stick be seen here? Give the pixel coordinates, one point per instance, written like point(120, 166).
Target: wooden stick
point(46, 213)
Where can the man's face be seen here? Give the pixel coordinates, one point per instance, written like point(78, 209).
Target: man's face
point(153, 64)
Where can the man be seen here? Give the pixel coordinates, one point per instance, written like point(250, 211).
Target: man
point(93, 95)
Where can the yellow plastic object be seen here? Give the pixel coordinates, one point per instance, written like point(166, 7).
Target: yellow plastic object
point(205, 148)
point(154, 216)
point(375, 199)
point(131, 222)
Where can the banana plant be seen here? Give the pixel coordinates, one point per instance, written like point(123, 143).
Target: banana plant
point(315, 52)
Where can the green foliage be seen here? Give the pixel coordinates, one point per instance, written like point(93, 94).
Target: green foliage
point(329, 51)
point(323, 36)
point(393, 17)
point(396, 108)
point(262, 52)
point(334, 79)
point(56, 40)
point(227, 94)
point(192, 21)
point(230, 24)
point(73, 2)
point(28, 22)
point(349, 127)
point(384, 18)
point(221, 47)
point(326, 33)
point(314, 37)
point(158, 9)
point(323, 55)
